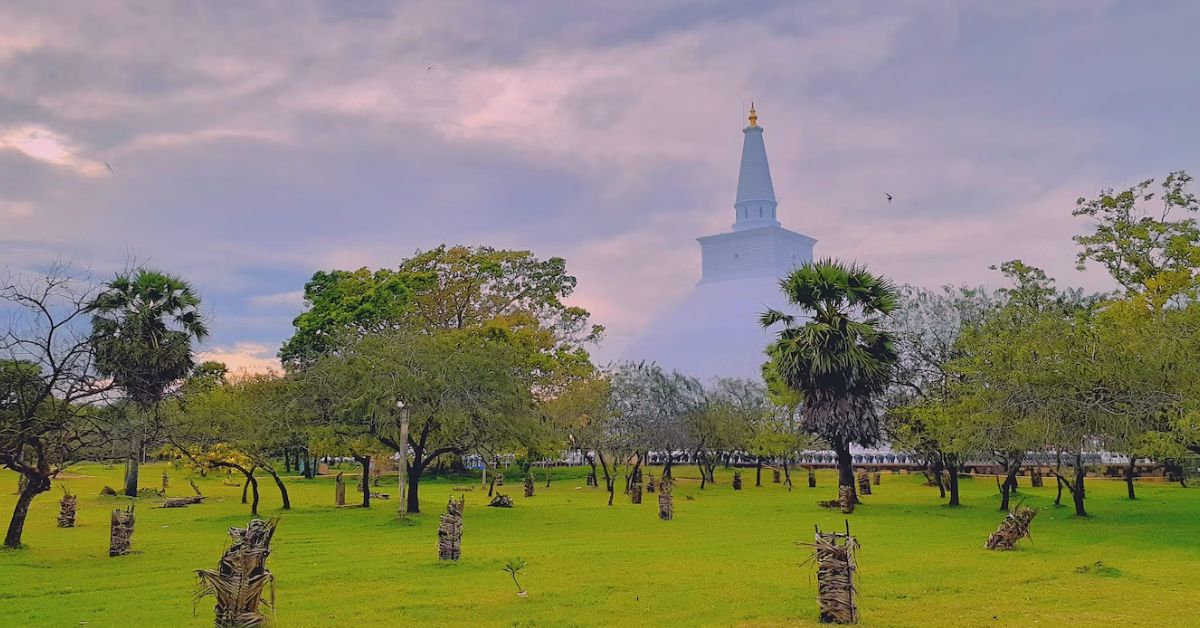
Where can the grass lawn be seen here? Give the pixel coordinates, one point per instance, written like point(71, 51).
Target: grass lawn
point(729, 558)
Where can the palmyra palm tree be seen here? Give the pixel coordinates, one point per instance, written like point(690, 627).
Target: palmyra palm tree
point(838, 360)
point(143, 325)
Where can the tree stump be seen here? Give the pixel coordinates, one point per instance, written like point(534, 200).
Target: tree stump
point(501, 501)
point(650, 483)
point(635, 493)
point(120, 532)
point(450, 530)
point(876, 478)
point(837, 595)
point(241, 577)
point(529, 486)
point(775, 476)
point(66, 510)
point(339, 490)
point(812, 479)
point(846, 499)
point(1035, 478)
point(666, 501)
point(737, 480)
point(864, 484)
point(1014, 528)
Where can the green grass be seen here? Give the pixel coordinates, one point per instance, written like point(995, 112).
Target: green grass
point(728, 558)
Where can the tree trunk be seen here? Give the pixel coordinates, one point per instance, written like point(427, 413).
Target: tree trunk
point(1058, 477)
point(1078, 491)
point(954, 482)
point(414, 483)
point(365, 461)
point(1129, 470)
point(937, 476)
point(245, 488)
point(845, 464)
point(131, 469)
point(287, 461)
point(16, 525)
point(700, 466)
point(787, 474)
point(758, 471)
point(666, 474)
point(254, 491)
point(283, 492)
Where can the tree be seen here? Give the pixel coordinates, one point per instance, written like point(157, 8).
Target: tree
point(921, 417)
point(241, 425)
point(839, 361)
point(48, 384)
point(1144, 249)
point(459, 389)
point(650, 409)
point(143, 326)
point(349, 303)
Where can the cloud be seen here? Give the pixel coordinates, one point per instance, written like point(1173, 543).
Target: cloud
point(244, 357)
point(50, 147)
point(607, 133)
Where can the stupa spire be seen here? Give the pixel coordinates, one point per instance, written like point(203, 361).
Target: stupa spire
point(755, 204)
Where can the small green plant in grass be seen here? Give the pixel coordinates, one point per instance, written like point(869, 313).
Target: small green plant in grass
point(514, 567)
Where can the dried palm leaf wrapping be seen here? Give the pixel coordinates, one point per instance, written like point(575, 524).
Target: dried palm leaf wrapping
point(66, 510)
point(635, 493)
point(339, 490)
point(120, 532)
point(846, 499)
point(242, 577)
point(775, 476)
point(650, 483)
point(864, 484)
point(812, 479)
point(876, 478)
point(666, 501)
point(1014, 528)
point(737, 481)
point(450, 530)
point(501, 501)
point(166, 481)
point(529, 486)
point(837, 598)
point(499, 479)
point(1035, 478)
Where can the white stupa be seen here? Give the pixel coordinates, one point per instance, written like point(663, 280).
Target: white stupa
point(714, 330)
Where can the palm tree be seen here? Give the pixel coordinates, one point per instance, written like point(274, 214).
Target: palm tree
point(143, 326)
point(838, 360)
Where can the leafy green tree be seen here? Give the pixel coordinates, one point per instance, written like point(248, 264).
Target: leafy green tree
point(839, 361)
point(349, 303)
point(143, 327)
point(458, 388)
point(1142, 247)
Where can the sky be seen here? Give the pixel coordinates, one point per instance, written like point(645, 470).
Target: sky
point(245, 145)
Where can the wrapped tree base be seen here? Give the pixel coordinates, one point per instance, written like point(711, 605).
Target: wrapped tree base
point(737, 480)
point(501, 501)
point(650, 483)
point(450, 530)
point(591, 479)
point(864, 484)
point(846, 499)
point(166, 481)
point(837, 596)
point(339, 490)
point(529, 486)
point(812, 479)
point(666, 501)
point(242, 577)
point(635, 493)
point(1014, 528)
point(499, 479)
point(1035, 478)
point(121, 532)
point(66, 510)
point(775, 476)
point(876, 478)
